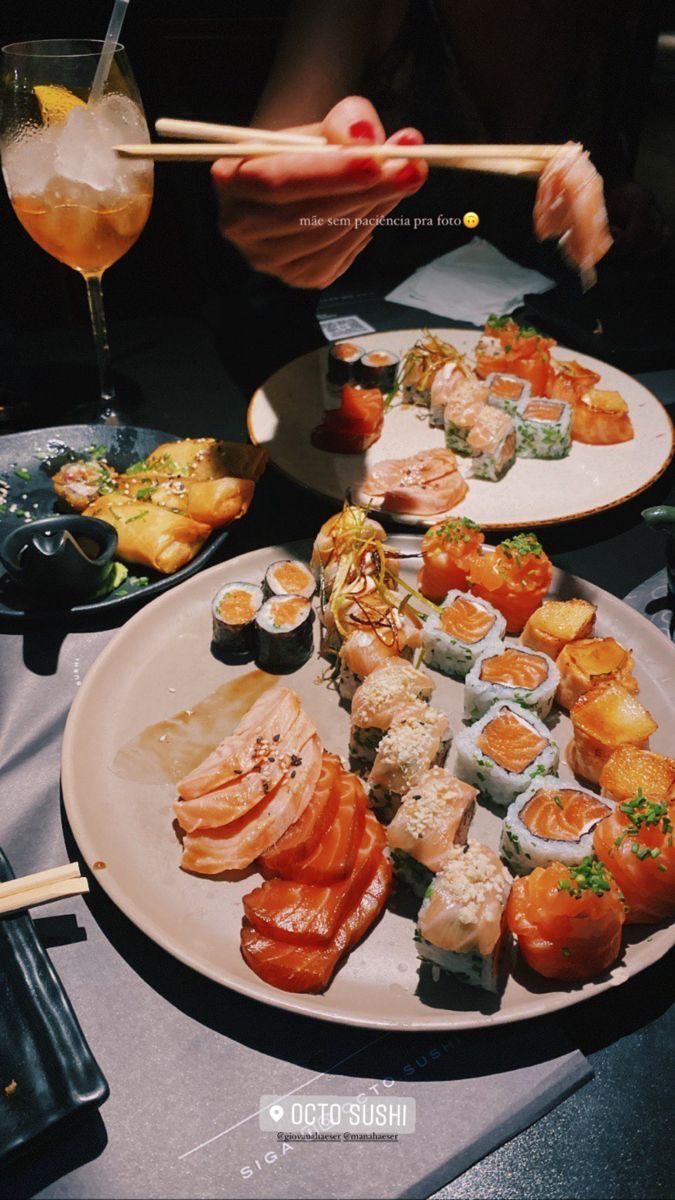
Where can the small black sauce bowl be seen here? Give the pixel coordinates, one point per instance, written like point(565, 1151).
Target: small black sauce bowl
point(64, 558)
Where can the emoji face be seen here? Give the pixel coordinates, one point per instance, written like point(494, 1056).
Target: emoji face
point(471, 219)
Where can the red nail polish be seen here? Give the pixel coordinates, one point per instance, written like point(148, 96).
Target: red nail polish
point(364, 166)
point(407, 175)
point(363, 130)
point(408, 139)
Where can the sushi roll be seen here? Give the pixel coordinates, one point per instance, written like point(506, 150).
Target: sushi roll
point(461, 927)
point(492, 443)
point(454, 638)
point(445, 381)
point(341, 368)
point(434, 815)
point(386, 692)
point(503, 752)
point(234, 610)
point(378, 369)
point(543, 428)
point(603, 719)
point(507, 391)
point(511, 673)
point(557, 622)
point(289, 578)
point(553, 821)
point(462, 410)
point(284, 638)
point(413, 743)
point(588, 661)
point(366, 649)
point(630, 771)
point(352, 533)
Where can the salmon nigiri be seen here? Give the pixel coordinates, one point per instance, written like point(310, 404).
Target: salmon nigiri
point(239, 796)
point(636, 844)
point(568, 920)
point(570, 205)
point(235, 846)
point(296, 968)
point(273, 713)
point(311, 913)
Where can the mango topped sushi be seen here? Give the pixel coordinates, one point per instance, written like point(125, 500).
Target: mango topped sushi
point(589, 661)
point(557, 622)
point(606, 717)
point(630, 771)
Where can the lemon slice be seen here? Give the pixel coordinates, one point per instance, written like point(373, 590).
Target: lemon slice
point(56, 102)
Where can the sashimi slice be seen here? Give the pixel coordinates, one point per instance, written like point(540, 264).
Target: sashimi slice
point(334, 857)
point(235, 846)
point(427, 499)
point(274, 712)
point(301, 838)
point(311, 913)
point(421, 468)
point(229, 803)
point(570, 205)
point(310, 968)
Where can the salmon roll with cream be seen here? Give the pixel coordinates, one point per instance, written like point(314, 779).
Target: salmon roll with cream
point(553, 821)
point(507, 391)
point(383, 695)
point(414, 743)
point(462, 410)
point(434, 815)
point(543, 428)
point(284, 637)
point(289, 578)
point(465, 627)
point(461, 928)
point(233, 611)
point(492, 444)
point(511, 673)
point(504, 752)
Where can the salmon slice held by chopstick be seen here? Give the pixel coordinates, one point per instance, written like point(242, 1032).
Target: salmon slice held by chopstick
point(310, 913)
point(240, 795)
point(233, 847)
point(295, 968)
point(273, 713)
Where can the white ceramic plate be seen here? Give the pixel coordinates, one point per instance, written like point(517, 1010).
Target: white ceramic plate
point(159, 664)
point(283, 412)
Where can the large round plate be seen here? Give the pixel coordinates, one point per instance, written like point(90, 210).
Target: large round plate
point(40, 453)
point(159, 664)
point(283, 412)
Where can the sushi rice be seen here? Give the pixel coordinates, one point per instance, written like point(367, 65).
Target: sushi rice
point(449, 654)
point(494, 781)
point(543, 428)
point(480, 694)
point(524, 850)
point(492, 443)
point(384, 694)
point(433, 816)
point(414, 743)
point(499, 386)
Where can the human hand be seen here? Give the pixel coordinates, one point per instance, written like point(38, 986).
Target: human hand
point(305, 217)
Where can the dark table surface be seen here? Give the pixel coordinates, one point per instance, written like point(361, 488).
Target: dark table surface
point(192, 375)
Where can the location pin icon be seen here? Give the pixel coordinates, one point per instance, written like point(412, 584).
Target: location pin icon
point(276, 1112)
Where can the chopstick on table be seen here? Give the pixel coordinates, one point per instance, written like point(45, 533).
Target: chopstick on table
point(207, 131)
point(29, 890)
point(506, 159)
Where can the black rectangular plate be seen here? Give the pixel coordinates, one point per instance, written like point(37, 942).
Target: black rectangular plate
point(42, 1048)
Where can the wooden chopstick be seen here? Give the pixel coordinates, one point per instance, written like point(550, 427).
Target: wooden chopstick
point(42, 886)
point(506, 159)
point(206, 131)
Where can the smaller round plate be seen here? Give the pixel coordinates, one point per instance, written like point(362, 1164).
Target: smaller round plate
point(27, 463)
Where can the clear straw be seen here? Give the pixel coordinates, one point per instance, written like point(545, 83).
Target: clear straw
point(119, 12)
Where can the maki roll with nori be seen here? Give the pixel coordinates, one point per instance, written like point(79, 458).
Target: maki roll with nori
point(504, 752)
point(553, 821)
point(234, 610)
point(289, 578)
point(343, 358)
point(543, 428)
point(511, 673)
point(284, 636)
point(378, 369)
point(461, 928)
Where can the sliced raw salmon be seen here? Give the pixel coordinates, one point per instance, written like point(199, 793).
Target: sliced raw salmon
point(570, 205)
point(235, 846)
point(310, 968)
point(515, 669)
point(301, 838)
point(510, 742)
point(467, 621)
point(636, 844)
point(427, 499)
point(273, 713)
point(311, 913)
point(562, 814)
point(425, 467)
point(334, 857)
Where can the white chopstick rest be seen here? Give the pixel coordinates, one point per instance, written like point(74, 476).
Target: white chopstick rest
point(41, 887)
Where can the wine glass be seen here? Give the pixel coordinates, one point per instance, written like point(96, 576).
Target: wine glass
point(71, 192)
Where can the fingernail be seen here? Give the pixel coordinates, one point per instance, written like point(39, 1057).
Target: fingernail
point(407, 175)
point(365, 166)
point(408, 139)
point(363, 131)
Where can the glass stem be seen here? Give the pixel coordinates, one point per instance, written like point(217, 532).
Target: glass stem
point(98, 325)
